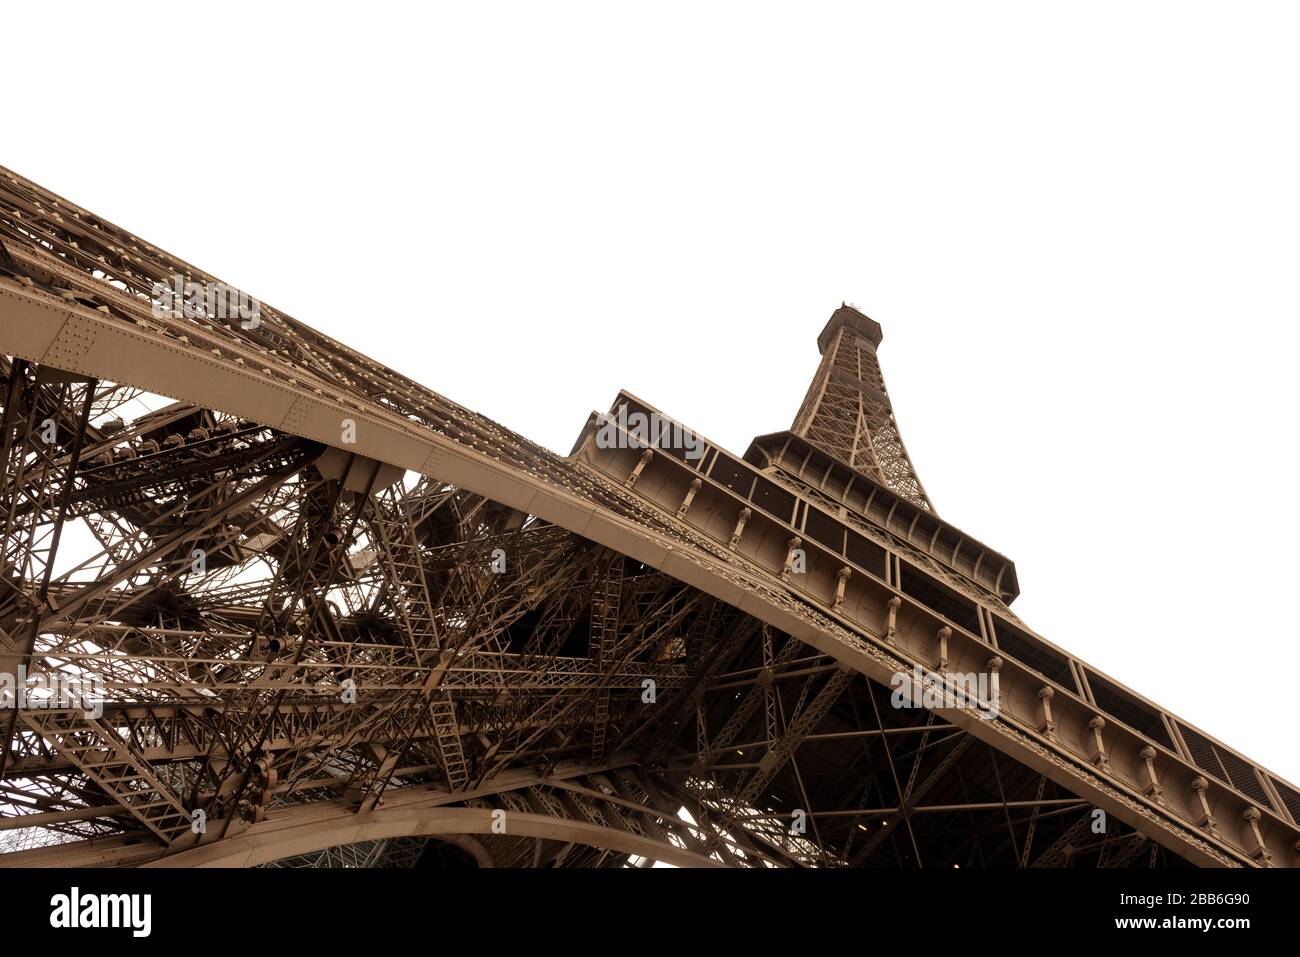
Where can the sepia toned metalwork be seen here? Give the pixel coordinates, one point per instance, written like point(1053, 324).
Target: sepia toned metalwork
point(339, 620)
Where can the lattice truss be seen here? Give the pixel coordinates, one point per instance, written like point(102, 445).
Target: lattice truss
point(847, 412)
point(294, 641)
point(230, 595)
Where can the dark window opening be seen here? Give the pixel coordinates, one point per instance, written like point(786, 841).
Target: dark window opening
point(822, 528)
point(731, 474)
point(1134, 713)
point(1026, 649)
point(942, 599)
point(866, 554)
point(772, 498)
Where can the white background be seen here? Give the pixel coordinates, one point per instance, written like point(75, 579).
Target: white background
point(1077, 225)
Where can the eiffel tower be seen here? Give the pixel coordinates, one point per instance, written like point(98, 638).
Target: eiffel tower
point(266, 602)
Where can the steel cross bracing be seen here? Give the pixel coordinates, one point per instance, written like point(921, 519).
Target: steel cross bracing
point(847, 410)
point(355, 624)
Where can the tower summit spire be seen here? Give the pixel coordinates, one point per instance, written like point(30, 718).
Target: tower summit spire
point(847, 412)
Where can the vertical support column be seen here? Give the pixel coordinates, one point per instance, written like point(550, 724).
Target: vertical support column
point(1153, 789)
point(1046, 726)
point(1258, 851)
point(646, 456)
point(739, 529)
point(1205, 820)
point(1098, 756)
point(941, 663)
point(690, 497)
point(841, 580)
point(891, 618)
point(792, 547)
point(995, 682)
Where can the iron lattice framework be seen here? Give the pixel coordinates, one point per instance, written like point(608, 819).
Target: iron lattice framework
point(847, 412)
point(342, 621)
